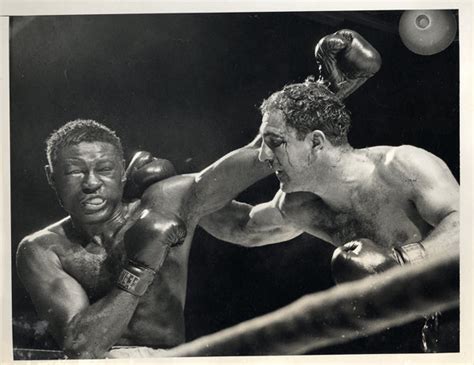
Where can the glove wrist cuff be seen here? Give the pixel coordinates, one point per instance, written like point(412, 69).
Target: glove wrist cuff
point(410, 253)
point(135, 279)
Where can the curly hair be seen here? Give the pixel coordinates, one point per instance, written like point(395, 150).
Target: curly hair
point(77, 131)
point(309, 106)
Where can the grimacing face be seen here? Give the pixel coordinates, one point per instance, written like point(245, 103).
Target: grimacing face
point(89, 179)
point(288, 156)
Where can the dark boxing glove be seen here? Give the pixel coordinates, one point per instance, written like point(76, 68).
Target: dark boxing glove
point(357, 259)
point(143, 171)
point(147, 244)
point(346, 61)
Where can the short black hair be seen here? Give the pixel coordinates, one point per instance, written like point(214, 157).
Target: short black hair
point(77, 131)
point(309, 106)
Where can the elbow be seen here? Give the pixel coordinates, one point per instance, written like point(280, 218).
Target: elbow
point(454, 224)
point(238, 237)
point(247, 239)
point(74, 350)
point(448, 219)
point(243, 236)
point(82, 346)
point(452, 220)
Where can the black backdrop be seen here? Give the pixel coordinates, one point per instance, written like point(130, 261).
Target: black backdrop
point(187, 87)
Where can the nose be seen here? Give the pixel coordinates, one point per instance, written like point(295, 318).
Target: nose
point(265, 153)
point(91, 183)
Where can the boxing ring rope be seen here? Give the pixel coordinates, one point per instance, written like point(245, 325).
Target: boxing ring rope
point(340, 314)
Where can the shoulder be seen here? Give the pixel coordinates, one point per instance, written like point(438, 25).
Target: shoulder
point(410, 162)
point(410, 155)
point(412, 169)
point(43, 242)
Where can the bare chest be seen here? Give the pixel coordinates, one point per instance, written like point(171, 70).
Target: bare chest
point(95, 268)
point(382, 215)
point(158, 319)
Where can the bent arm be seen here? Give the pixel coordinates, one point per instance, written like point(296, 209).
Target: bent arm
point(250, 226)
point(81, 329)
point(436, 196)
point(222, 181)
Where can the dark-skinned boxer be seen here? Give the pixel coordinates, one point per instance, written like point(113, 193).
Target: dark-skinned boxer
point(114, 271)
point(71, 270)
point(382, 206)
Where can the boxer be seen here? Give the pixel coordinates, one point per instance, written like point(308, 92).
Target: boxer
point(96, 291)
point(114, 271)
point(381, 206)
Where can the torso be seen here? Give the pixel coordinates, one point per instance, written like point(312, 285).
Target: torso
point(158, 320)
point(380, 209)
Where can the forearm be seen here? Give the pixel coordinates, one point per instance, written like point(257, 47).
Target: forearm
point(222, 181)
point(444, 238)
point(97, 328)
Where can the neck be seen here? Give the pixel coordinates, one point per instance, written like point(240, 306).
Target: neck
point(344, 170)
point(104, 231)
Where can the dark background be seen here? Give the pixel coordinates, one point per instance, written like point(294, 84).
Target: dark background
point(187, 87)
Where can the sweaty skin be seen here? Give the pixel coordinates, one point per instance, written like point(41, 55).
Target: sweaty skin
point(391, 195)
point(70, 268)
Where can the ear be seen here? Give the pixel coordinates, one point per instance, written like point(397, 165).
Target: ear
point(49, 175)
point(317, 139)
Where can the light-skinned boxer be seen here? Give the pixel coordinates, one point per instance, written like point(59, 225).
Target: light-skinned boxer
point(381, 206)
point(85, 276)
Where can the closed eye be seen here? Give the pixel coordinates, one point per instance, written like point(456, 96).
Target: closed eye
point(73, 172)
point(274, 142)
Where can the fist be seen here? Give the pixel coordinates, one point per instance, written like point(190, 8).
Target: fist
point(358, 259)
point(148, 241)
point(143, 171)
point(346, 60)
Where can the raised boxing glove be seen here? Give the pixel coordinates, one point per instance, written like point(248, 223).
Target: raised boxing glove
point(346, 61)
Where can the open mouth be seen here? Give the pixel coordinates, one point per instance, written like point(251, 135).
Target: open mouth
point(93, 204)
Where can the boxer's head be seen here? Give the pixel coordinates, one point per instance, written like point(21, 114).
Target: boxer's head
point(86, 169)
point(301, 122)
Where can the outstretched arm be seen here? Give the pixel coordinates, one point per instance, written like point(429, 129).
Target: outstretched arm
point(250, 226)
point(222, 181)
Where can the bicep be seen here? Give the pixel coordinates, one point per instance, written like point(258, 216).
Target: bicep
point(248, 225)
point(56, 295)
point(435, 191)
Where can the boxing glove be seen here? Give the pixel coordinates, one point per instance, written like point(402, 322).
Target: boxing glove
point(357, 259)
point(143, 171)
point(151, 236)
point(346, 61)
point(147, 244)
